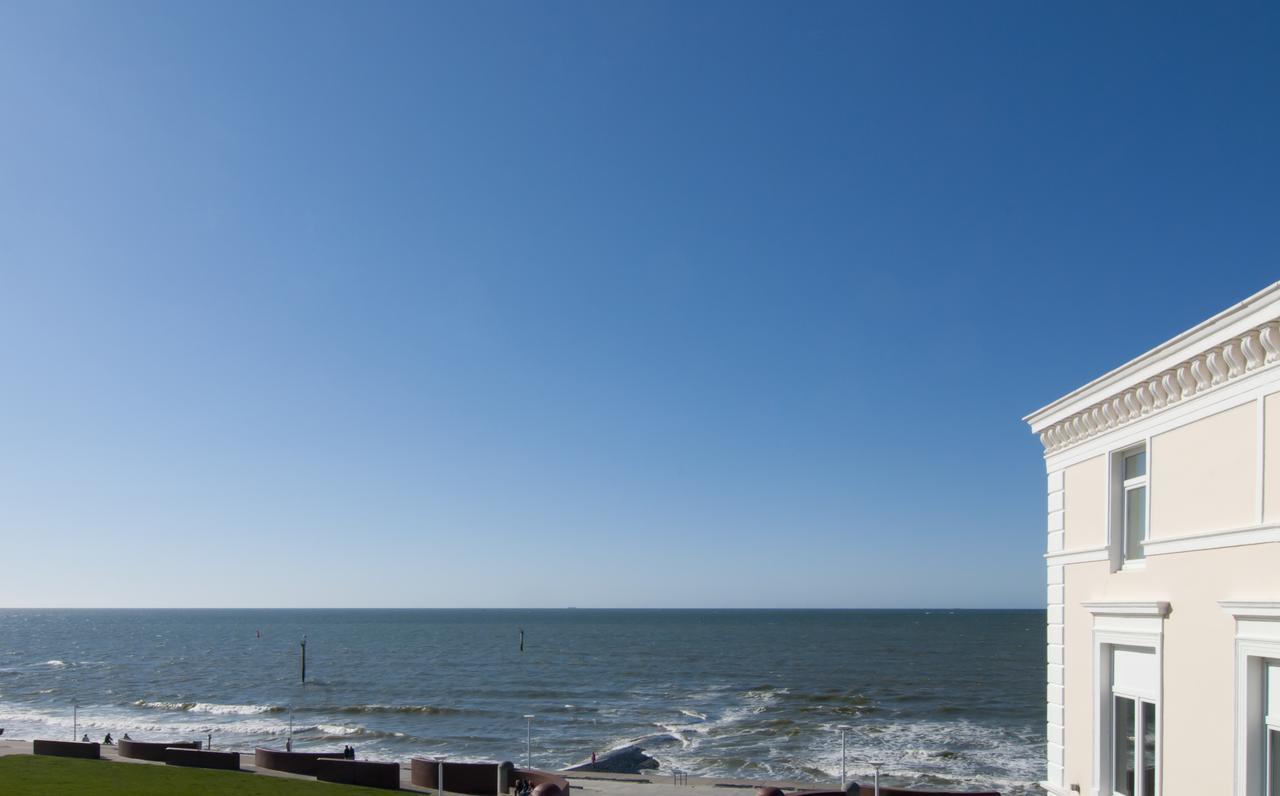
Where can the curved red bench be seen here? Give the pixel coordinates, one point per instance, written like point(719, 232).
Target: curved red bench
point(368, 773)
point(201, 758)
point(544, 782)
point(473, 779)
point(291, 762)
point(151, 750)
point(81, 749)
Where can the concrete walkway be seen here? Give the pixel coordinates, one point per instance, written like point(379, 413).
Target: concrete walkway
point(584, 784)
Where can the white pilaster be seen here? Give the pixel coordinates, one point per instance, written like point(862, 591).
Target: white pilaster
point(1056, 599)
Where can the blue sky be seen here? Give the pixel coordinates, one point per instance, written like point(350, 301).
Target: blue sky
point(593, 304)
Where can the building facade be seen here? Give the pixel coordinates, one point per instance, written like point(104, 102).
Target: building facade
point(1163, 565)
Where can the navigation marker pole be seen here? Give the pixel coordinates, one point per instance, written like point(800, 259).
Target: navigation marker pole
point(304, 659)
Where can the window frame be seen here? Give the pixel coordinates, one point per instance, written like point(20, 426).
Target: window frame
point(1257, 640)
point(1124, 624)
point(1139, 701)
point(1117, 529)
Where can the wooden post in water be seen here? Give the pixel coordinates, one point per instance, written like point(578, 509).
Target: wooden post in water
point(304, 660)
point(522, 639)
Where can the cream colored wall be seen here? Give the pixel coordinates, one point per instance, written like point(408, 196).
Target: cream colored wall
point(1271, 467)
point(1199, 657)
point(1204, 474)
point(1081, 582)
point(1085, 503)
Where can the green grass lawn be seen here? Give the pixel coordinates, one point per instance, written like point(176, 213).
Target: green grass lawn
point(28, 774)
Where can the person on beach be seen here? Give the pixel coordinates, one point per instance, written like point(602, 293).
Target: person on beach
point(126, 737)
point(107, 740)
point(593, 758)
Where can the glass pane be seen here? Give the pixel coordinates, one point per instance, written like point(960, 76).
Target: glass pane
point(1135, 464)
point(1122, 732)
point(1148, 749)
point(1273, 763)
point(1135, 521)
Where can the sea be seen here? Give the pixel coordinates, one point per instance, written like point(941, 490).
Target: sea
point(943, 697)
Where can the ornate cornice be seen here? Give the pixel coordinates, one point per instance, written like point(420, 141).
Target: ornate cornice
point(1243, 354)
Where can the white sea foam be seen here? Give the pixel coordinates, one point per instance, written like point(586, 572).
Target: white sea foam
point(233, 710)
point(212, 708)
point(962, 751)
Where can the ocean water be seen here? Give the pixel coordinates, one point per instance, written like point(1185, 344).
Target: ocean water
point(942, 697)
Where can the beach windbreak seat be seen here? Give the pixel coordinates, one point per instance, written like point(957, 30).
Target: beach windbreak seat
point(473, 779)
point(201, 758)
point(369, 773)
point(291, 762)
point(151, 750)
point(85, 750)
point(544, 783)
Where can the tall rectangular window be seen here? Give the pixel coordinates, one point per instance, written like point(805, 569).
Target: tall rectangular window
point(1134, 719)
point(1271, 725)
point(1131, 499)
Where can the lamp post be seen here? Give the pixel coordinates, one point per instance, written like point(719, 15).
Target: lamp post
point(440, 773)
point(528, 740)
point(843, 728)
point(876, 766)
point(75, 719)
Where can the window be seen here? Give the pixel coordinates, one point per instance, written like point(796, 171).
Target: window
point(1129, 505)
point(1133, 722)
point(1271, 727)
point(1257, 697)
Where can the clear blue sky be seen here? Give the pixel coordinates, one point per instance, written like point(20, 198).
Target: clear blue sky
point(593, 304)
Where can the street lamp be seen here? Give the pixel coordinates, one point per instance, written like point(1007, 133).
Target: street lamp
point(843, 728)
point(876, 766)
point(75, 719)
point(528, 740)
point(440, 773)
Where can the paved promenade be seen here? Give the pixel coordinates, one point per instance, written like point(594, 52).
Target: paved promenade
point(591, 784)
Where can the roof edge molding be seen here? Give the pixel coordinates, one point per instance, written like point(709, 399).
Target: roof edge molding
point(1238, 342)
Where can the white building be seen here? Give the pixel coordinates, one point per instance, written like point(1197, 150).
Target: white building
point(1164, 567)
